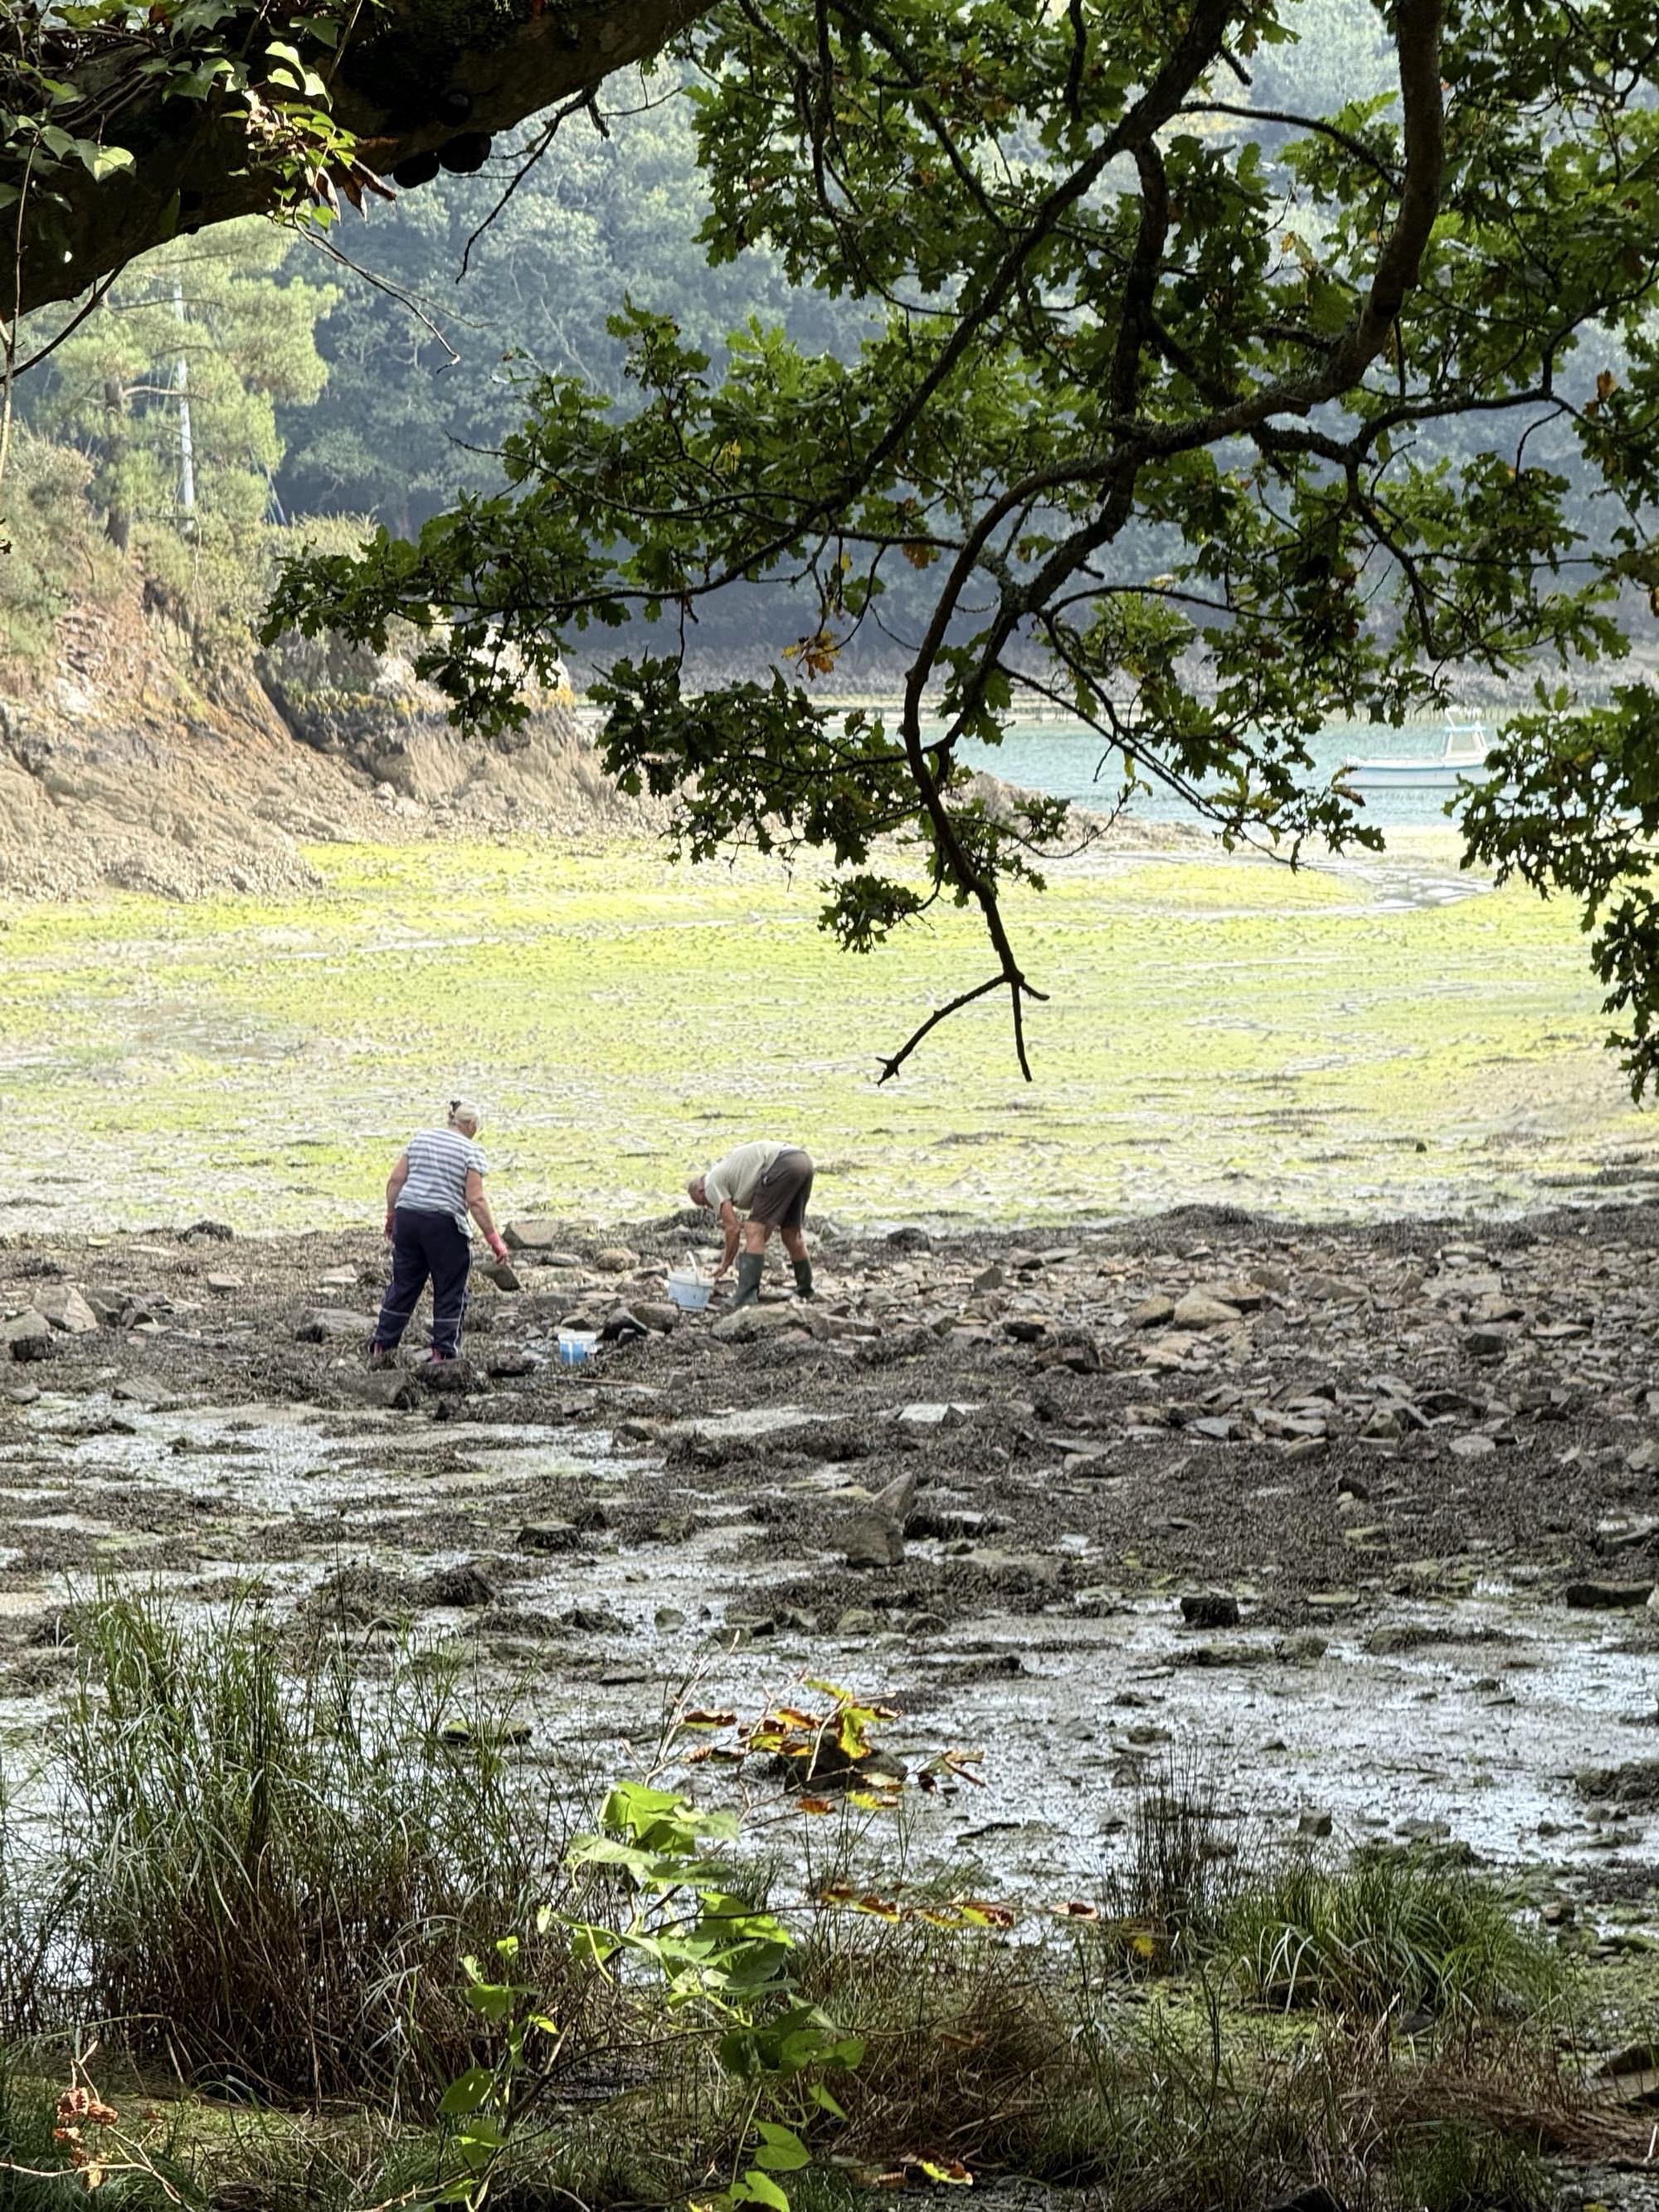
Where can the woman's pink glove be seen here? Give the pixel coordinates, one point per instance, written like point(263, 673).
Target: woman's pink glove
point(496, 1245)
point(389, 1220)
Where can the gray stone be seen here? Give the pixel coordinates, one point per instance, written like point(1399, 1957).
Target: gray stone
point(1014, 1574)
point(28, 1336)
point(63, 1305)
point(909, 1239)
point(948, 1522)
point(872, 1538)
point(1486, 1343)
point(1473, 1447)
point(1025, 1328)
point(1210, 1609)
point(549, 1536)
point(446, 1377)
point(1306, 1648)
point(990, 1279)
point(593, 1620)
point(389, 1390)
point(1645, 1459)
point(898, 1498)
point(615, 1260)
point(508, 1366)
point(224, 1286)
point(1606, 1597)
point(462, 1585)
point(1306, 1447)
point(1152, 1313)
point(667, 1619)
point(541, 1237)
point(857, 1620)
point(1078, 1353)
point(324, 1326)
point(660, 1317)
point(1224, 1654)
point(1635, 1782)
point(1314, 1825)
point(1198, 1309)
point(751, 1322)
point(1389, 1640)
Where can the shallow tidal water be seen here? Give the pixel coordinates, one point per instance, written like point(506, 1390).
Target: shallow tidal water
point(1071, 1712)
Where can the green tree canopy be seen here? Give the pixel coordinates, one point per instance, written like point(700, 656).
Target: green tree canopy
point(1110, 295)
point(173, 391)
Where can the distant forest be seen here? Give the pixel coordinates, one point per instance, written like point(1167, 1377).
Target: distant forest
point(248, 380)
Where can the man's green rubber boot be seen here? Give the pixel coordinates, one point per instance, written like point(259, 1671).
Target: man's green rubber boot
point(749, 1265)
point(803, 1279)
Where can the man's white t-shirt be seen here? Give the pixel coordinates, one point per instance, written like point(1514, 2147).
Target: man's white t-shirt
point(738, 1176)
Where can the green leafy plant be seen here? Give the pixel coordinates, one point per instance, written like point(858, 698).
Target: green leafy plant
point(722, 1966)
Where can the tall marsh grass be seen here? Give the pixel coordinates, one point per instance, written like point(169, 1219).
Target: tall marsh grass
point(1393, 1932)
point(270, 1871)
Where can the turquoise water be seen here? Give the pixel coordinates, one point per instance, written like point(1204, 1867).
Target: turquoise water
point(1070, 764)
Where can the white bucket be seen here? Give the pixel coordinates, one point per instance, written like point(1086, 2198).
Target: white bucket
point(689, 1292)
point(576, 1345)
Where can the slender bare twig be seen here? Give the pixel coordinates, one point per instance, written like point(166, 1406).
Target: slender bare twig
point(406, 300)
point(890, 1065)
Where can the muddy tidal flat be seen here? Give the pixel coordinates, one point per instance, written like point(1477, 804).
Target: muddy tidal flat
point(1363, 1524)
point(1358, 1040)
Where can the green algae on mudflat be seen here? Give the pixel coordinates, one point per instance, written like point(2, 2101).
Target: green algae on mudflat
point(1312, 1043)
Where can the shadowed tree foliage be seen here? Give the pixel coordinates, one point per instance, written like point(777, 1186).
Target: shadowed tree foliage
point(122, 125)
point(1326, 367)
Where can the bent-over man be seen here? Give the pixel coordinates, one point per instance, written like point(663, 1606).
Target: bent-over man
point(771, 1183)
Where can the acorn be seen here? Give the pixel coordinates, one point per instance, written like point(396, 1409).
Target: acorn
point(466, 154)
point(414, 169)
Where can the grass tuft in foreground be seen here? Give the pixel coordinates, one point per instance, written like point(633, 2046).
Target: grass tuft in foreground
point(269, 1874)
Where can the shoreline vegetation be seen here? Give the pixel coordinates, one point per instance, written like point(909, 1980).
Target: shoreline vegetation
point(1348, 1042)
point(298, 1925)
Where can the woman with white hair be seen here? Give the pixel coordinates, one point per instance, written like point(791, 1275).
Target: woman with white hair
point(438, 1181)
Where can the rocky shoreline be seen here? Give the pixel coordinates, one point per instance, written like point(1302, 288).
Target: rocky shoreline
point(1271, 1438)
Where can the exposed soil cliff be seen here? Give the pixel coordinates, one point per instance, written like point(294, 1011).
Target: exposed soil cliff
point(123, 764)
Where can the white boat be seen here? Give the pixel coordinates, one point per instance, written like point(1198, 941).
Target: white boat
point(1463, 754)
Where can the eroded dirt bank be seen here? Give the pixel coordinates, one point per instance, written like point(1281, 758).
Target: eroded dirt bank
point(1403, 1479)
